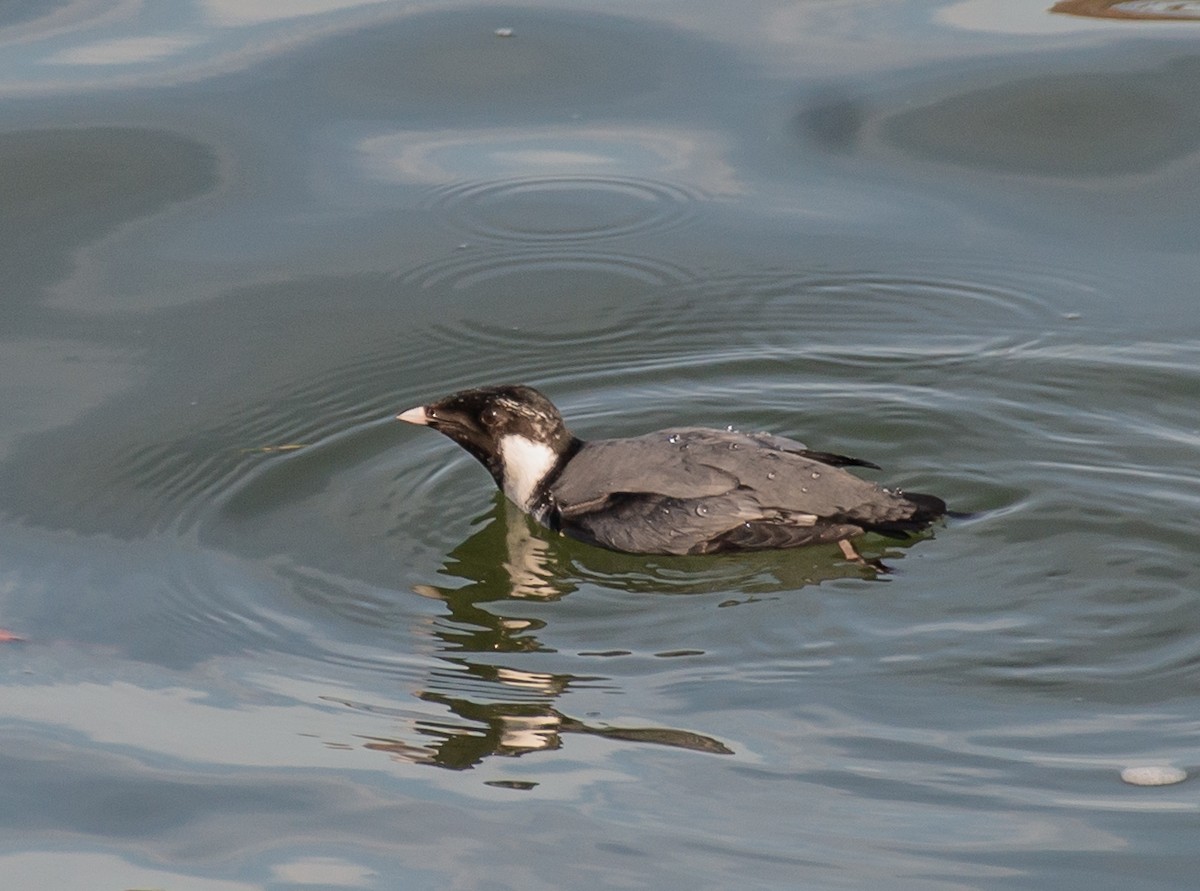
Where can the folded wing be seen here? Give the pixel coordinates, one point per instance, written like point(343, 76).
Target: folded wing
point(695, 490)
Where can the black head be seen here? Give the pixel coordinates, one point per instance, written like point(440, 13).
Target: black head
point(479, 419)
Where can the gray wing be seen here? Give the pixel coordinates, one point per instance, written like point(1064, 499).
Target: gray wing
point(783, 444)
point(695, 490)
point(695, 463)
point(648, 523)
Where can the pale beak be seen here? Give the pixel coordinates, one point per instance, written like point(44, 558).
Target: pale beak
point(414, 416)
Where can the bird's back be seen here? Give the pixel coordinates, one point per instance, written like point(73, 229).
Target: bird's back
point(696, 490)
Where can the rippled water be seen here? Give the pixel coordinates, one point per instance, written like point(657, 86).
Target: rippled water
point(273, 640)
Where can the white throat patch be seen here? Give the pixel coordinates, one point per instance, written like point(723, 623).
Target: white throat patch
point(526, 464)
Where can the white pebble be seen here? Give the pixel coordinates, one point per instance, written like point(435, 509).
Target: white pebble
point(1153, 775)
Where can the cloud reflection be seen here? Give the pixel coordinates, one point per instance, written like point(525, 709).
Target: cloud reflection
point(124, 51)
point(95, 869)
point(233, 13)
point(440, 156)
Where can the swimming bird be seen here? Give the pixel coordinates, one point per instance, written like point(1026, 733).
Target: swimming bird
point(683, 490)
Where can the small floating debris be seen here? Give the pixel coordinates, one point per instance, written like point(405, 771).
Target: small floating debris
point(503, 32)
point(1153, 775)
point(272, 449)
point(1146, 10)
point(519, 785)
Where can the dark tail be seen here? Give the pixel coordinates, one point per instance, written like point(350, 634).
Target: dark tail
point(926, 509)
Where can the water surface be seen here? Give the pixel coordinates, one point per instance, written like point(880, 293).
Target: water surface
point(274, 641)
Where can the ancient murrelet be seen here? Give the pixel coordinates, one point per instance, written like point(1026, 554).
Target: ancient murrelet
point(685, 490)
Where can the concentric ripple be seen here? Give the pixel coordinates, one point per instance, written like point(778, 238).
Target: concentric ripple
point(349, 513)
point(471, 267)
point(629, 319)
point(181, 478)
point(880, 314)
point(557, 209)
point(601, 331)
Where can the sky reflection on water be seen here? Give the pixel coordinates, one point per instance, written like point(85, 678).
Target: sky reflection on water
point(955, 238)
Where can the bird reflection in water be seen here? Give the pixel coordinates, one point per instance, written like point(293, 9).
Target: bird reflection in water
point(507, 711)
point(495, 710)
point(512, 729)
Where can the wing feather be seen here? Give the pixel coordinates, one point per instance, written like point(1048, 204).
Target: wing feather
point(695, 490)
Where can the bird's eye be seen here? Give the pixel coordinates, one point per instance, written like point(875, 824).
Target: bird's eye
point(491, 416)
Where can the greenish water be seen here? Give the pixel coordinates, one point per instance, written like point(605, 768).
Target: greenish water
point(274, 640)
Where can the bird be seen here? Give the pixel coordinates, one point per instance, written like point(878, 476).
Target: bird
point(680, 491)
